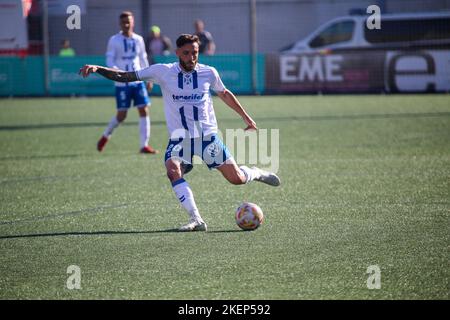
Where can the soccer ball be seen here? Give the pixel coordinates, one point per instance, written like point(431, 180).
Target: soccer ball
point(249, 216)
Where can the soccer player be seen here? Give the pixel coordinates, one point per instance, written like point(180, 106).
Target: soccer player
point(126, 51)
point(191, 121)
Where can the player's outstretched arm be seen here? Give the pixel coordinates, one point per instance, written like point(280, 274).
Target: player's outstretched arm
point(230, 100)
point(112, 74)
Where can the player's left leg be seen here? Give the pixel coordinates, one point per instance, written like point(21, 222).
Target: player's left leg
point(142, 102)
point(144, 130)
point(175, 172)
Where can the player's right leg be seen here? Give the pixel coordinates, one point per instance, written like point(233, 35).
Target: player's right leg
point(216, 155)
point(114, 123)
point(123, 102)
point(243, 174)
point(176, 168)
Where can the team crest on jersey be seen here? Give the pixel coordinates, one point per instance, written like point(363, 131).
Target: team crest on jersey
point(187, 79)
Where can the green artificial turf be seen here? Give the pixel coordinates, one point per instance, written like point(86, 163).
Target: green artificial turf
point(365, 181)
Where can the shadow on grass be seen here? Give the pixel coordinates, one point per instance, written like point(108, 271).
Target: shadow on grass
point(96, 233)
point(225, 231)
point(62, 156)
point(84, 233)
point(64, 214)
point(68, 125)
point(20, 127)
point(32, 157)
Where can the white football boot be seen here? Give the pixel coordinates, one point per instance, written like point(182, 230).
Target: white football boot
point(194, 225)
point(267, 177)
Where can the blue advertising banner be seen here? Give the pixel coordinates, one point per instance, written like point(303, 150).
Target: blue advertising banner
point(25, 76)
point(65, 80)
point(21, 76)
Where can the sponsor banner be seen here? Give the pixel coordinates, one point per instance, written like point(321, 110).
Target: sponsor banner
point(21, 76)
point(65, 80)
point(359, 72)
point(417, 71)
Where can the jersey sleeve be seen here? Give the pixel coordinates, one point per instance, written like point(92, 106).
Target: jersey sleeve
point(111, 54)
point(143, 61)
point(216, 82)
point(153, 73)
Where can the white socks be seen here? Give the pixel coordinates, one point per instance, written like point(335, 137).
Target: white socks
point(144, 130)
point(111, 126)
point(251, 173)
point(184, 194)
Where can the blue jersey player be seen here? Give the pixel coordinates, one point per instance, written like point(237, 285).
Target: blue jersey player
point(126, 51)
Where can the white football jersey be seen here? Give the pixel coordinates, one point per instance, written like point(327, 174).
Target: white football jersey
point(188, 104)
point(126, 53)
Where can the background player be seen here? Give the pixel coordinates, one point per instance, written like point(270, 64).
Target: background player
point(126, 51)
point(191, 121)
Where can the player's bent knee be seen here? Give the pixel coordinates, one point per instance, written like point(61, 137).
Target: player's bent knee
point(174, 174)
point(143, 112)
point(236, 179)
point(233, 174)
point(236, 182)
point(121, 117)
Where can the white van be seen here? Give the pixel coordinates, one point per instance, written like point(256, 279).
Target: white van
point(397, 31)
point(13, 31)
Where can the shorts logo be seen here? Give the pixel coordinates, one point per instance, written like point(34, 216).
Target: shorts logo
point(213, 149)
point(176, 148)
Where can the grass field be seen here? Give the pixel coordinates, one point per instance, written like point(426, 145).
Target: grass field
point(365, 181)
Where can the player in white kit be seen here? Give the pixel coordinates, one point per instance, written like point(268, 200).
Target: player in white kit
point(126, 51)
point(191, 122)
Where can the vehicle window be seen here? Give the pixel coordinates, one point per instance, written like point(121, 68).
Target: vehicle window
point(338, 32)
point(409, 30)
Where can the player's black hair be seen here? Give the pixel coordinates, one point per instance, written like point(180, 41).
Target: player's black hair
point(125, 14)
point(187, 38)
